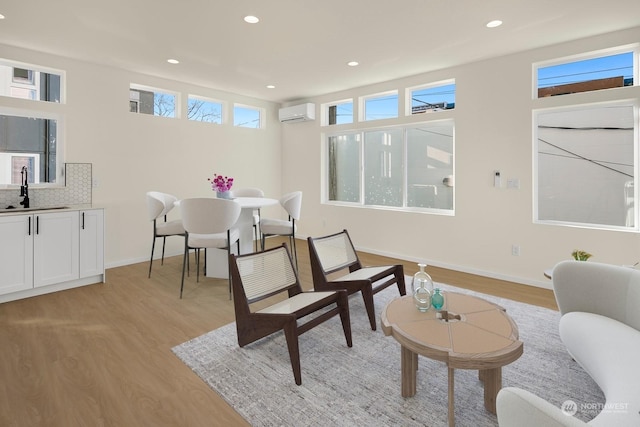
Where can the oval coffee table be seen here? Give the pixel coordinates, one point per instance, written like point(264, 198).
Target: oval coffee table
point(467, 333)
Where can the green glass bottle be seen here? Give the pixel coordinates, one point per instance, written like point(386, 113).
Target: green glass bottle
point(437, 299)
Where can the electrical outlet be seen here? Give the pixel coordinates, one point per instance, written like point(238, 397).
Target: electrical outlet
point(515, 250)
point(513, 183)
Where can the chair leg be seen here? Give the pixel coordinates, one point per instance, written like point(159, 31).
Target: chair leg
point(400, 280)
point(291, 335)
point(295, 251)
point(198, 264)
point(164, 241)
point(343, 303)
point(255, 237)
point(367, 296)
point(153, 246)
point(184, 264)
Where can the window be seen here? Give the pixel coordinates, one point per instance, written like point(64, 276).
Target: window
point(594, 72)
point(32, 82)
point(586, 155)
point(32, 142)
point(146, 100)
point(338, 113)
point(344, 168)
point(247, 117)
point(404, 167)
point(586, 161)
point(379, 106)
point(204, 110)
point(435, 97)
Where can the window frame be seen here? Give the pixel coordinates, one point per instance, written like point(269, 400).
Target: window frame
point(261, 115)
point(362, 105)
point(223, 108)
point(60, 147)
point(622, 96)
point(601, 53)
point(404, 127)
point(176, 96)
point(40, 69)
point(325, 115)
point(409, 96)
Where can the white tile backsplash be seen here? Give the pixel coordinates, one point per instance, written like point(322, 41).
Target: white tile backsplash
point(76, 191)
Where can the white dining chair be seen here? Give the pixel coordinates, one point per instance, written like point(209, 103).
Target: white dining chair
point(158, 206)
point(292, 204)
point(208, 224)
point(251, 192)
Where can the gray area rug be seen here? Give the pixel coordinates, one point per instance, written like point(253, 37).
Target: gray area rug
point(360, 386)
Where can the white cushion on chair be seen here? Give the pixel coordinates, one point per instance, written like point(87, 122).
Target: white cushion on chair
point(291, 305)
point(169, 228)
point(363, 273)
point(218, 240)
point(276, 226)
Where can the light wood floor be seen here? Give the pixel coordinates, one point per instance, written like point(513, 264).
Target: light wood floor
point(101, 355)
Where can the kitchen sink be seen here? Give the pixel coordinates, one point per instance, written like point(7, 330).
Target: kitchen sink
point(44, 208)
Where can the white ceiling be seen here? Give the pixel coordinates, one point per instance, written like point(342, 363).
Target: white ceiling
point(300, 46)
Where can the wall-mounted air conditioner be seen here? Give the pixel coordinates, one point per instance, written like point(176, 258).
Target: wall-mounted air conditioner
point(297, 113)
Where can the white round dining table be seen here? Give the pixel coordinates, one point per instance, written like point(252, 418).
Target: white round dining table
point(217, 262)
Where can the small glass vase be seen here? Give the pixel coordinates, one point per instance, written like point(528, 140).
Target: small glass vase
point(437, 300)
point(223, 194)
point(422, 287)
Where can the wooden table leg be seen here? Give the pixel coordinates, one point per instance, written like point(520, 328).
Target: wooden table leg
point(409, 368)
point(452, 420)
point(492, 385)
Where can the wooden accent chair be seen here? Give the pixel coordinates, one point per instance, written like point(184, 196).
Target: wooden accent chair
point(333, 253)
point(261, 275)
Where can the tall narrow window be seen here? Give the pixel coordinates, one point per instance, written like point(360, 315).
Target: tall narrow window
point(383, 167)
point(344, 168)
point(430, 166)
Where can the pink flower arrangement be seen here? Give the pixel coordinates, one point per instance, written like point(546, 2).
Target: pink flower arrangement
point(220, 183)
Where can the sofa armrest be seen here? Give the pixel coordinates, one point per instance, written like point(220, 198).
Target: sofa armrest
point(520, 408)
point(608, 290)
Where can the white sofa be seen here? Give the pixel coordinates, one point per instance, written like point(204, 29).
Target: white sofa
point(600, 326)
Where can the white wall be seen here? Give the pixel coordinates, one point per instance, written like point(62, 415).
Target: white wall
point(135, 153)
point(493, 118)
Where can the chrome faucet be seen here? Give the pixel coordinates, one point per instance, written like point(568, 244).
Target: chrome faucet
point(24, 187)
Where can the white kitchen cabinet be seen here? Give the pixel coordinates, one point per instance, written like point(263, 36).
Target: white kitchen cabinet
point(16, 253)
point(56, 248)
point(44, 252)
point(91, 242)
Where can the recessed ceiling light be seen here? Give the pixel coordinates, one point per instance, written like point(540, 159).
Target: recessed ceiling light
point(495, 23)
point(173, 61)
point(251, 19)
point(271, 87)
point(1, 16)
point(352, 63)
